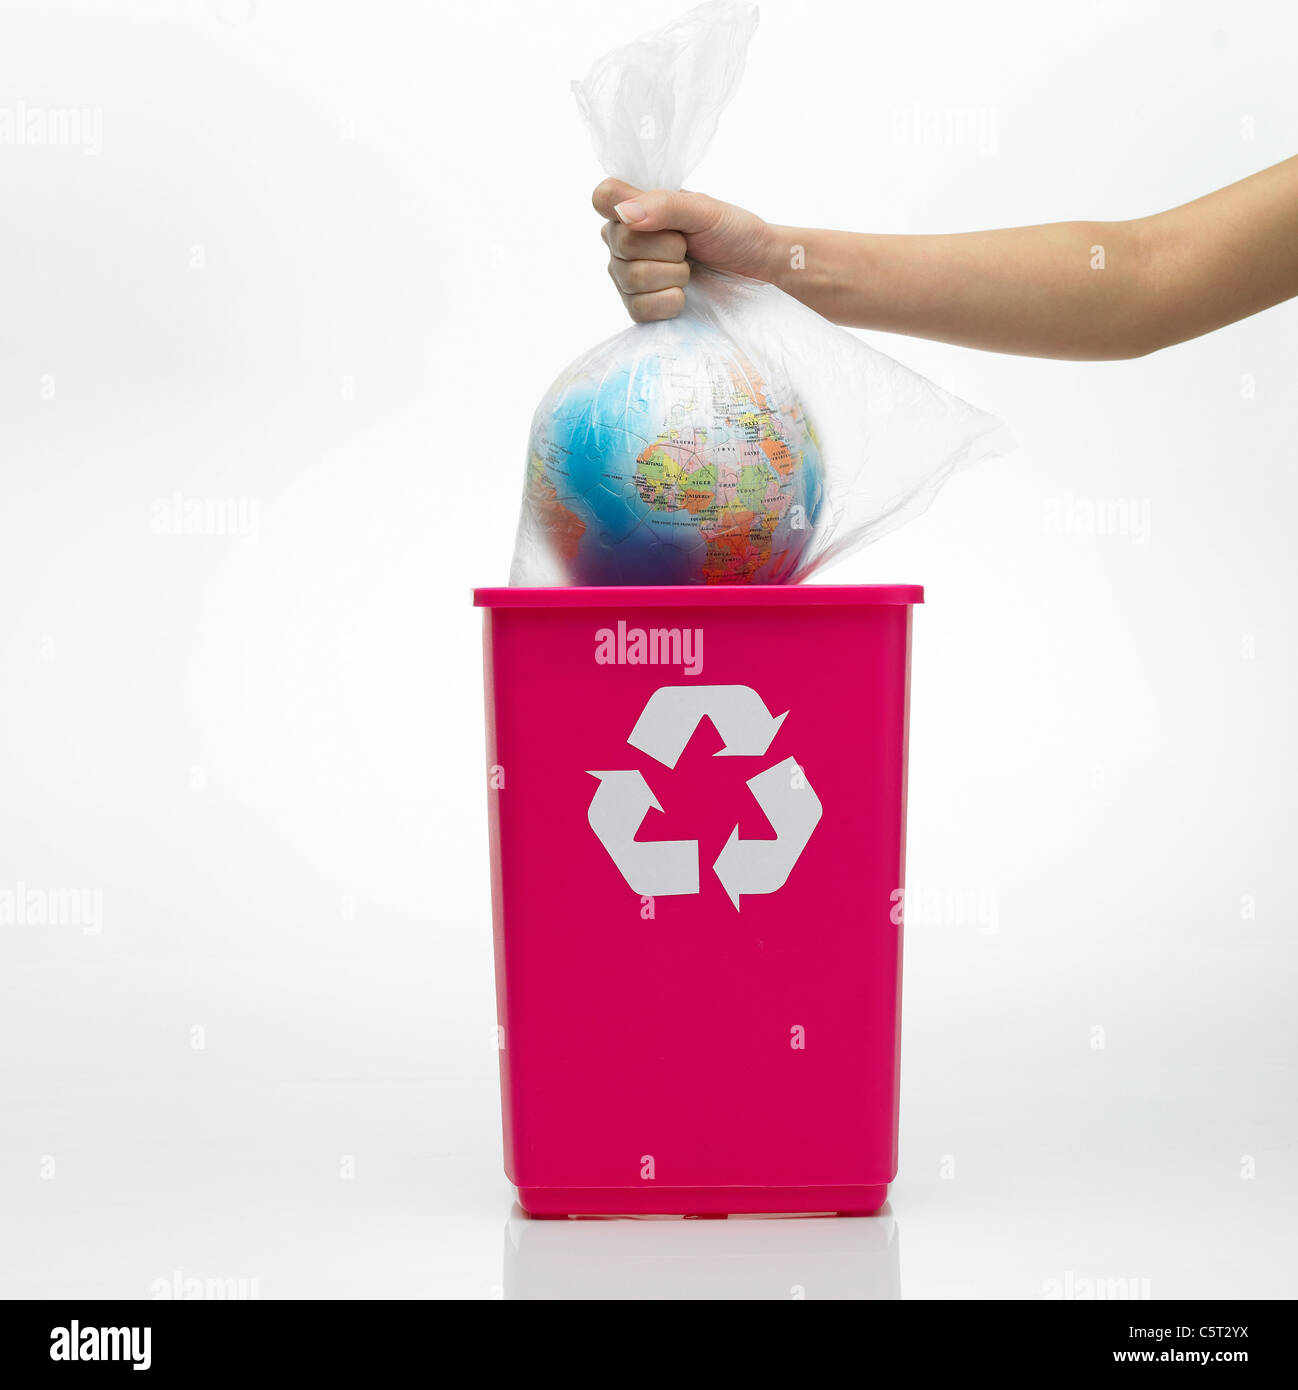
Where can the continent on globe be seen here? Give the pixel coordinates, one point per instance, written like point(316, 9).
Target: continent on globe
point(665, 457)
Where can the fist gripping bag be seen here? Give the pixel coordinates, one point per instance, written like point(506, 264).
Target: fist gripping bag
point(748, 440)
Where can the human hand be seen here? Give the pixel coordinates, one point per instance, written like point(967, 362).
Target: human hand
point(650, 234)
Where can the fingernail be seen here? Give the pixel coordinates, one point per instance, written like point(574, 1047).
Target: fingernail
point(630, 213)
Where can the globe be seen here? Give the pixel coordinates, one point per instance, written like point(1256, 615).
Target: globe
point(667, 457)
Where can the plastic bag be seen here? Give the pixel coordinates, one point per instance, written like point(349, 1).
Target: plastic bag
point(747, 440)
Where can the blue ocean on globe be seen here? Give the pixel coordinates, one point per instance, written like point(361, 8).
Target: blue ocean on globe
point(675, 463)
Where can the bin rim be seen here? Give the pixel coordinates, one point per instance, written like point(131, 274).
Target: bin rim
point(701, 596)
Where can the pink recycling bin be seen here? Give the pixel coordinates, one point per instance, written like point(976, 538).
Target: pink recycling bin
point(697, 804)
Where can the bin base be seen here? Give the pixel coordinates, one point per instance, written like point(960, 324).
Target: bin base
point(701, 1201)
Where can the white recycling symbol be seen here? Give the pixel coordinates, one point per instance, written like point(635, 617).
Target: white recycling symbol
point(661, 868)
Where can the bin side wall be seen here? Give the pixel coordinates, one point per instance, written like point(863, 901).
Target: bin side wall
point(672, 1039)
point(497, 786)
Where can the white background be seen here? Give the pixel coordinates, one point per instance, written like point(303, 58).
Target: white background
point(321, 262)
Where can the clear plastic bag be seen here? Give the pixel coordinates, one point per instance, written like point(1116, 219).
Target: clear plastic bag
point(747, 440)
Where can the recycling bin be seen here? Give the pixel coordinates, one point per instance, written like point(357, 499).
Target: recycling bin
point(696, 805)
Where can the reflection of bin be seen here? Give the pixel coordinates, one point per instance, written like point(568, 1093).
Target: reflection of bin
point(697, 809)
point(744, 1258)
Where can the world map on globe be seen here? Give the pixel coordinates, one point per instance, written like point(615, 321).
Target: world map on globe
point(674, 463)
